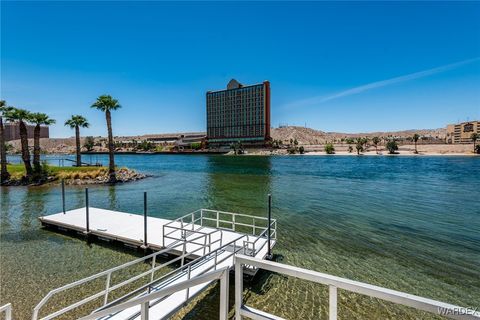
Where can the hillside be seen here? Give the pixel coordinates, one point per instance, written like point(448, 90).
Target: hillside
point(308, 136)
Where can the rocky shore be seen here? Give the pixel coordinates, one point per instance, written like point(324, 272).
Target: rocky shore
point(123, 175)
point(71, 176)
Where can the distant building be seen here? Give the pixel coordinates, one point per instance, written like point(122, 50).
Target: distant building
point(462, 132)
point(239, 113)
point(179, 139)
point(12, 131)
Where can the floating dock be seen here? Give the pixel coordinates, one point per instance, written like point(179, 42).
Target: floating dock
point(209, 239)
point(129, 229)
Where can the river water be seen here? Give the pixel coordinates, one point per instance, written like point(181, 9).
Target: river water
point(406, 223)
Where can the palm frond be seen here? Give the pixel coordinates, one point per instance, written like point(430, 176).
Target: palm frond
point(41, 119)
point(105, 103)
point(77, 120)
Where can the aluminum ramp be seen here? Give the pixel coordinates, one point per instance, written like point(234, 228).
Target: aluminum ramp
point(163, 308)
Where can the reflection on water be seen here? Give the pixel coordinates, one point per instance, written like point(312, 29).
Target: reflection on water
point(112, 196)
point(407, 223)
point(238, 183)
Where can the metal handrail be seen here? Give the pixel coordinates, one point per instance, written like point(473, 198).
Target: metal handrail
point(233, 222)
point(182, 217)
point(333, 282)
point(186, 232)
point(186, 266)
point(191, 217)
point(263, 235)
point(7, 308)
point(152, 282)
point(108, 273)
point(144, 301)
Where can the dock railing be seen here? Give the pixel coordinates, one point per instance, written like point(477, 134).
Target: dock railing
point(7, 309)
point(108, 277)
point(232, 247)
point(179, 229)
point(252, 226)
point(216, 255)
point(144, 301)
point(334, 283)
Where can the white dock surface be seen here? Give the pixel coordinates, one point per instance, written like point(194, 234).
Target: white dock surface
point(129, 229)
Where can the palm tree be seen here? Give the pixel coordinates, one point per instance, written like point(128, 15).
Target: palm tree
point(474, 138)
point(38, 119)
point(21, 116)
point(76, 122)
point(360, 143)
point(415, 139)
point(4, 176)
point(106, 104)
point(376, 141)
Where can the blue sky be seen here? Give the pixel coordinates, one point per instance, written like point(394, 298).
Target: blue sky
point(349, 67)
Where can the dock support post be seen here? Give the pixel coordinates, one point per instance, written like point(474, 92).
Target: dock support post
point(145, 220)
point(144, 310)
point(224, 296)
point(87, 212)
point(332, 303)
point(238, 289)
point(269, 233)
point(63, 195)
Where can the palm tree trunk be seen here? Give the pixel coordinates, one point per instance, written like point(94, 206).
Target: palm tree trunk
point(25, 151)
point(111, 164)
point(36, 149)
point(416, 147)
point(77, 140)
point(4, 176)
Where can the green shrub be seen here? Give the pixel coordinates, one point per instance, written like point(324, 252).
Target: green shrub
point(392, 146)
point(329, 148)
point(196, 145)
point(146, 146)
point(301, 150)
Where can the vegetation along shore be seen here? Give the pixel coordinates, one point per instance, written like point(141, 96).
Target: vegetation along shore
point(71, 175)
point(33, 172)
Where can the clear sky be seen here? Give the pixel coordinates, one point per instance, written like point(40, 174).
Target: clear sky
point(350, 67)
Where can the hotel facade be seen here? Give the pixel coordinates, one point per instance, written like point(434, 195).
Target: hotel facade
point(12, 131)
point(462, 132)
point(239, 113)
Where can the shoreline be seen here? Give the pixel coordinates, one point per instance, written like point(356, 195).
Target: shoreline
point(151, 153)
point(401, 154)
point(279, 152)
point(87, 175)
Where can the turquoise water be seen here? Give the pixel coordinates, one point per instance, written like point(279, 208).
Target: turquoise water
point(407, 223)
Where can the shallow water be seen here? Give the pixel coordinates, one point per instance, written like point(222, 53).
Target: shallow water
point(407, 223)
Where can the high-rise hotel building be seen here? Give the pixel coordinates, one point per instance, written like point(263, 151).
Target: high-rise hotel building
point(239, 113)
point(462, 132)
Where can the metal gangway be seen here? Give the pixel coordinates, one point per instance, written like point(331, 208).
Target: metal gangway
point(242, 263)
point(202, 242)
